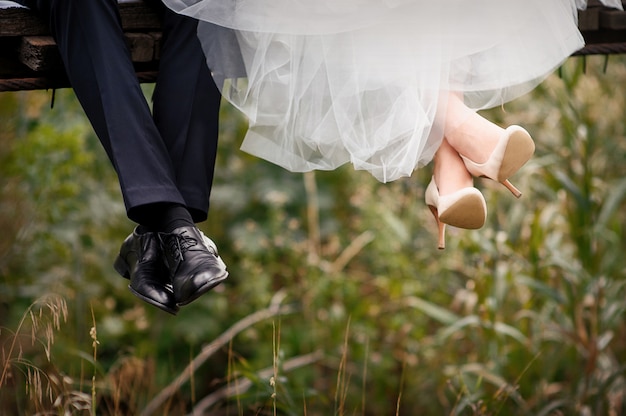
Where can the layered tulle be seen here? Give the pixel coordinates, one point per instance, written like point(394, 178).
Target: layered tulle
point(326, 82)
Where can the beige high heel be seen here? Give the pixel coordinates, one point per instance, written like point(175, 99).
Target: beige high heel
point(513, 150)
point(465, 208)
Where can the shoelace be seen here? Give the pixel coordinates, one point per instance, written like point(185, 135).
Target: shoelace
point(178, 245)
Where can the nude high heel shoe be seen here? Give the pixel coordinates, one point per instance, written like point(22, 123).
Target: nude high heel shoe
point(465, 208)
point(513, 150)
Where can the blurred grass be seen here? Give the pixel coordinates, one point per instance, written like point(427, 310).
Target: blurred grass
point(522, 317)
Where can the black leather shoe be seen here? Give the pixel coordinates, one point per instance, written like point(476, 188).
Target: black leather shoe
point(194, 264)
point(141, 261)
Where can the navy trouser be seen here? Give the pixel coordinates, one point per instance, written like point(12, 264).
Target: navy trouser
point(167, 156)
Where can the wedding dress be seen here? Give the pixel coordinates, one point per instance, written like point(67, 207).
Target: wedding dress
point(327, 82)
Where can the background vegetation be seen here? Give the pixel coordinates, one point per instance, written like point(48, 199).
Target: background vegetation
point(339, 301)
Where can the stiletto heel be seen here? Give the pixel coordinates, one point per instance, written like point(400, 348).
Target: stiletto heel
point(513, 150)
point(465, 208)
point(516, 192)
point(442, 228)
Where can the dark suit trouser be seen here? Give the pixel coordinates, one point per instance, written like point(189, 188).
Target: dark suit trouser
point(167, 156)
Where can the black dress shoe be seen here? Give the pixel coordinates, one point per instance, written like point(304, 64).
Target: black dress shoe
point(195, 267)
point(141, 261)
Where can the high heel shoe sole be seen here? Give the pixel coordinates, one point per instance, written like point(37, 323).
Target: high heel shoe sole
point(463, 213)
point(519, 150)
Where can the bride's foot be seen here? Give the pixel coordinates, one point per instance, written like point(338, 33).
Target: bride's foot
point(487, 150)
point(514, 148)
point(450, 195)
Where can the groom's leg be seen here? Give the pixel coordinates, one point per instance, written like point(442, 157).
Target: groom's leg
point(98, 64)
point(100, 70)
point(186, 107)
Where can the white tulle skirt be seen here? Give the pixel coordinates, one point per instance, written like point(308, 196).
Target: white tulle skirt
point(326, 82)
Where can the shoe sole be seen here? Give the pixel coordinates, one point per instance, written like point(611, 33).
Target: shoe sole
point(468, 212)
point(519, 150)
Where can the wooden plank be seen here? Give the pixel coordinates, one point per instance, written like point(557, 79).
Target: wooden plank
point(57, 80)
point(34, 62)
point(589, 19)
point(141, 46)
point(29, 58)
point(158, 37)
point(613, 20)
point(40, 53)
point(20, 22)
point(136, 16)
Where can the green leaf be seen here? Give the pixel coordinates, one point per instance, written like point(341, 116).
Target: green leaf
point(438, 313)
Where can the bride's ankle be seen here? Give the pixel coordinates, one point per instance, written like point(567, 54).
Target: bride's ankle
point(449, 171)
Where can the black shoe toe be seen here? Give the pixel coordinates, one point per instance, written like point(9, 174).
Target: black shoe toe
point(195, 266)
point(153, 294)
point(190, 287)
point(141, 261)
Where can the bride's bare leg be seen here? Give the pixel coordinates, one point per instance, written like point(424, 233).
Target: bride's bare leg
point(449, 170)
point(468, 133)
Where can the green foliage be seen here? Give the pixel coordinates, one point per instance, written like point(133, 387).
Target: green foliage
point(522, 317)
